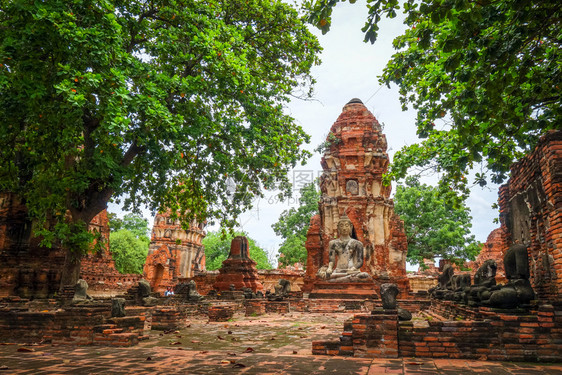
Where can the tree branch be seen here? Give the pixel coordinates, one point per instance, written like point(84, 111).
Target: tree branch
point(131, 153)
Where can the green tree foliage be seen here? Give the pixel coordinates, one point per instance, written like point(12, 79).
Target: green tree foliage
point(128, 241)
point(493, 69)
point(293, 224)
point(134, 223)
point(129, 252)
point(217, 248)
point(158, 102)
point(115, 222)
point(435, 226)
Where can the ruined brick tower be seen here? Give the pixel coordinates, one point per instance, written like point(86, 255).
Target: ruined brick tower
point(351, 184)
point(174, 253)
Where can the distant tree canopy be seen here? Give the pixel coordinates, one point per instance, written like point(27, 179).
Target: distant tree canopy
point(129, 241)
point(492, 70)
point(134, 223)
point(217, 248)
point(159, 103)
point(293, 224)
point(435, 225)
point(129, 252)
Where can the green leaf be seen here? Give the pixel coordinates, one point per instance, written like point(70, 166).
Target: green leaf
point(160, 104)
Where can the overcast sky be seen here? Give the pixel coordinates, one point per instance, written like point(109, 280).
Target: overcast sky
point(349, 70)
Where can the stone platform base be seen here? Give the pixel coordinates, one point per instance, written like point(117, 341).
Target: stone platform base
point(361, 290)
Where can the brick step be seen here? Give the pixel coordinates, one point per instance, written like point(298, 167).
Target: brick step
point(431, 315)
point(102, 327)
point(112, 331)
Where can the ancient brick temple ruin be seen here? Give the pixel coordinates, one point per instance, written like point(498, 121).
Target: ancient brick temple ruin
point(356, 252)
point(98, 268)
point(27, 269)
point(351, 185)
point(174, 252)
point(471, 316)
point(531, 213)
point(32, 271)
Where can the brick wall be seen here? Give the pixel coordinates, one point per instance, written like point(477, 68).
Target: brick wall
point(500, 337)
point(374, 335)
point(222, 312)
point(32, 271)
point(26, 269)
point(166, 318)
point(76, 325)
point(421, 282)
point(451, 310)
point(496, 335)
point(530, 213)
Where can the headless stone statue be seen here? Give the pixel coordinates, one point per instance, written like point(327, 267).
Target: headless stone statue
point(518, 290)
point(282, 290)
point(117, 307)
point(444, 285)
point(143, 291)
point(144, 288)
point(484, 282)
point(459, 283)
point(388, 296)
point(248, 293)
point(188, 291)
point(389, 292)
point(193, 294)
point(346, 257)
point(81, 292)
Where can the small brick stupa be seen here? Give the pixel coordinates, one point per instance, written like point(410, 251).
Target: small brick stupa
point(238, 270)
point(351, 184)
point(174, 253)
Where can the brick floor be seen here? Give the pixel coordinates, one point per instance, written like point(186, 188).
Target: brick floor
point(272, 344)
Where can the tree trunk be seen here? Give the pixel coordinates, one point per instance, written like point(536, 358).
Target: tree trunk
point(71, 269)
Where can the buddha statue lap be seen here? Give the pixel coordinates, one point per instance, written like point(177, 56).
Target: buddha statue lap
point(346, 256)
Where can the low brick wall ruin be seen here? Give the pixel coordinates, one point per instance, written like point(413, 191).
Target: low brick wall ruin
point(254, 308)
point(221, 313)
point(75, 325)
point(421, 282)
point(498, 335)
point(165, 319)
point(83, 325)
point(366, 335)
